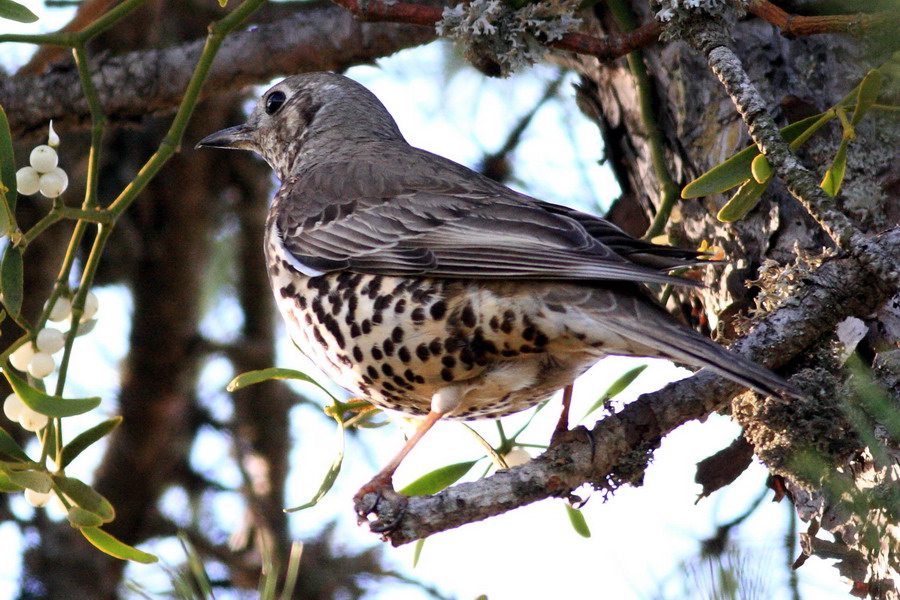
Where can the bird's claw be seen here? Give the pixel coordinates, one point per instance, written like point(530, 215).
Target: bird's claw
point(378, 498)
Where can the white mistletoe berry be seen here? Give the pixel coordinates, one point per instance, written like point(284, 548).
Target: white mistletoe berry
point(91, 305)
point(43, 158)
point(22, 356)
point(49, 340)
point(41, 365)
point(32, 421)
point(517, 456)
point(61, 310)
point(13, 408)
point(36, 499)
point(54, 182)
point(28, 181)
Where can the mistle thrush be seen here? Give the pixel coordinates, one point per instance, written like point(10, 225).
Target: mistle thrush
point(429, 289)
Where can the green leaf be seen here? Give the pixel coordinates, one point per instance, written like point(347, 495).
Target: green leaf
point(437, 480)
point(11, 279)
point(834, 176)
point(761, 169)
point(736, 169)
point(7, 173)
point(33, 480)
point(742, 202)
point(253, 377)
point(330, 476)
point(617, 387)
point(16, 12)
point(79, 518)
point(85, 439)
point(8, 486)
point(868, 92)
point(52, 406)
point(85, 496)
point(10, 447)
point(417, 553)
point(110, 545)
point(579, 524)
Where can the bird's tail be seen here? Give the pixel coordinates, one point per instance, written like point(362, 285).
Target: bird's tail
point(658, 330)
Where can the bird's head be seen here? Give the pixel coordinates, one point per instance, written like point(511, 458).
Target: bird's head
point(307, 117)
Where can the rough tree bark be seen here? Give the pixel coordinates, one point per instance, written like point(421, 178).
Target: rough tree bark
point(797, 77)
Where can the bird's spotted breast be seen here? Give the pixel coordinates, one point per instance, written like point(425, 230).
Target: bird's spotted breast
point(398, 340)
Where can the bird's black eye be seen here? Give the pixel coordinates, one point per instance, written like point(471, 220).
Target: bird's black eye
point(274, 102)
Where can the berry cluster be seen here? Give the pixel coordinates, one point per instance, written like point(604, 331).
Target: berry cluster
point(36, 358)
point(44, 175)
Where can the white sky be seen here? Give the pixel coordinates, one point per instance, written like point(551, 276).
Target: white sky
point(639, 535)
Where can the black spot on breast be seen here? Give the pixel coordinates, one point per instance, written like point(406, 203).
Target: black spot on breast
point(410, 376)
point(367, 379)
point(494, 323)
point(354, 329)
point(448, 361)
point(509, 318)
point(335, 330)
point(318, 336)
point(388, 386)
point(402, 383)
point(403, 354)
point(418, 315)
point(357, 353)
point(288, 291)
point(400, 306)
point(541, 339)
point(438, 310)
point(452, 344)
point(373, 373)
point(308, 318)
point(374, 286)
point(388, 347)
point(509, 353)
point(366, 326)
point(387, 369)
point(422, 352)
point(320, 284)
point(300, 301)
point(468, 316)
point(397, 334)
point(420, 379)
point(376, 353)
point(447, 374)
point(436, 346)
point(377, 318)
point(336, 303)
point(528, 333)
point(382, 302)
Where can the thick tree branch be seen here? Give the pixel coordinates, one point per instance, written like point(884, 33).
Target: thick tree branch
point(320, 36)
point(607, 48)
point(619, 443)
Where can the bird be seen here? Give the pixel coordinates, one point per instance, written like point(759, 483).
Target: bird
point(426, 288)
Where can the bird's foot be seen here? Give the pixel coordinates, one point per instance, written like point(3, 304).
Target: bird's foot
point(378, 498)
point(579, 434)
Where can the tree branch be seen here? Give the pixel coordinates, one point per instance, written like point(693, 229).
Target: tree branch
point(607, 48)
point(318, 37)
point(797, 25)
point(616, 450)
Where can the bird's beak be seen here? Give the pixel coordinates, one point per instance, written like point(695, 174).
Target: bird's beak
point(238, 137)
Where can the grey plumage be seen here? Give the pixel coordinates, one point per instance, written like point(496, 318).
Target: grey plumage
point(377, 249)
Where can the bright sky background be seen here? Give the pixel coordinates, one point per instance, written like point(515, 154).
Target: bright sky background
point(640, 535)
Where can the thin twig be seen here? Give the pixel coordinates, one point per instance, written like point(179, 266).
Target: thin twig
point(799, 25)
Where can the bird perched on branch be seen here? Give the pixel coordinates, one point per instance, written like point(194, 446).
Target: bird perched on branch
point(429, 289)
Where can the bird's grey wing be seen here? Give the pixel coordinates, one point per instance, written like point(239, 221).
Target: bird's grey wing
point(360, 218)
